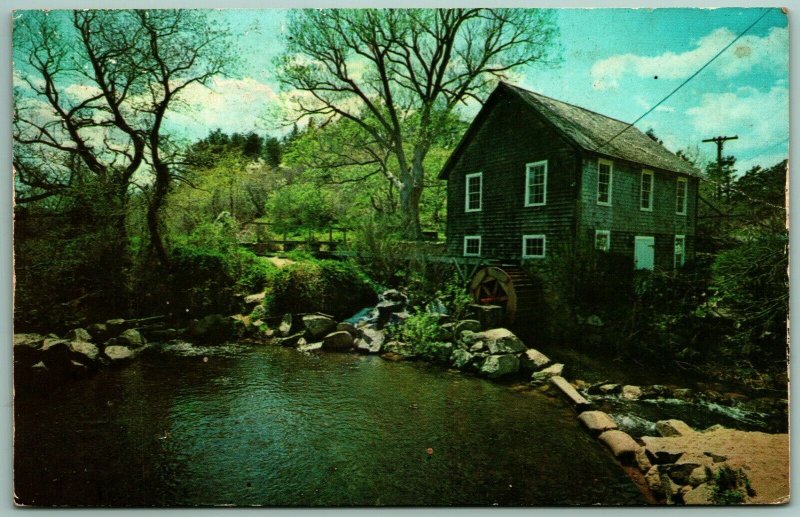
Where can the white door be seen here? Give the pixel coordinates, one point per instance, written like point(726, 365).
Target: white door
point(644, 252)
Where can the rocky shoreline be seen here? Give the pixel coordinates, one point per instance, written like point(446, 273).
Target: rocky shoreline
point(679, 466)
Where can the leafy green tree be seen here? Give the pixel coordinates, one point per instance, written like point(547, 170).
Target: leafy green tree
point(398, 74)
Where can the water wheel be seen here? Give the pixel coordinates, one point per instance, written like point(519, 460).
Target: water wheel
point(492, 286)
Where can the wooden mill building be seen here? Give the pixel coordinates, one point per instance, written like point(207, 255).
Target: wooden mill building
point(534, 177)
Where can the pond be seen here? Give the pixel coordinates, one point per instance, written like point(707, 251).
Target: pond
point(243, 425)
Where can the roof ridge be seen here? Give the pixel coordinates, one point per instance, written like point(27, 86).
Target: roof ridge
point(538, 94)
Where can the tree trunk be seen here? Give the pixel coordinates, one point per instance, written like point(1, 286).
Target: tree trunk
point(154, 211)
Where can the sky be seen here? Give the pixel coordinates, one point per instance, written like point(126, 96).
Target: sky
point(619, 62)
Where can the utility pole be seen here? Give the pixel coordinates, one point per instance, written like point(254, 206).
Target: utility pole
point(720, 141)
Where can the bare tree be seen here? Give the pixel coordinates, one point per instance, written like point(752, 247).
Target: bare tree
point(398, 73)
point(101, 94)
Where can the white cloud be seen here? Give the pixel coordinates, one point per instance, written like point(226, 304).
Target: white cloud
point(664, 108)
point(743, 56)
point(759, 118)
point(230, 104)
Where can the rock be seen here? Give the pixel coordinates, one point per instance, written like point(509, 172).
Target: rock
point(489, 316)
point(86, 352)
point(679, 472)
point(656, 391)
point(671, 490)
point(259, 312)
point(478, 346)
point(469, 325)
point(393, 295)
point(533, 360)
point(27, 348)
point(698, 476)
point(34, 341)
point(371, 341)
point(399, 318)
point(460, 358)
point(621, 445)
point(131, 338)
point(399, 349)
point(501, 341)
point(660, 453)
point(318, 326)
point(572, 395)
point(631, 392)
point(347, 327)
point(286, 325)
point(546, 374)
point(79, 334)
point(115, 326)
point(386, 309)
point(337, 341)
point(685, 394)
point(98, 331)
point(700, 495)
point(292, 340)
point(673, 427)
point(609, 389)
point(477, 360)
point(211, 329)
point(251, 301)
point(596, 422)
point(653, 480)
point(496, 366)
point(117, 353)
point(716, 458)
point(448, 331)
point(642, 461)
point(309, 347)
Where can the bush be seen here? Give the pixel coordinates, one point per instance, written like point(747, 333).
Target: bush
point(729, 486)
point(309, 285)
point(423, 332)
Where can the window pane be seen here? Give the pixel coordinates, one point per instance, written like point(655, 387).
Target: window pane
point(603, 182)
point(534, 246)
point(601, 241)
point(536, 184)
point(474, 193)
point(647, 189)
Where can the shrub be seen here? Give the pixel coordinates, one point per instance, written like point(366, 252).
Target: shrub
point(422, 331)
point(729, 486)
point(335, 287)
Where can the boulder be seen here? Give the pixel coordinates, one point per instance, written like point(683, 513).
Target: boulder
point(448, 331)
point(56, 354)
point(700, 495)
point(496, 366)
point(672, 427)
point(131, 338)
point(642, 461)
point(118, 354)
point(210, 329)
point(34, 341)
point(685, 394)
point(98, 331)
point(287, 325)
point(309, 347)
point(398, 350)
point(253, 300)
point(318, 325)
point(609, 389)
point(460, 358)
point(386, 309)
point(597, 422)
point(347, 327)
point(571, 394)
point(79, 334)
point(85, 352)
point(115, 326)
point(680, 473)
point(698, 476)
point(621, 445)
point(470, 325)
point(532, 360)
point(546, 374)
point(656, 391)
point(393, 295)
point(670, 489)
point(292, 340)
point(27, 348)
point(631, 392)
point(653, 479)
point(500, 341)
point(371, 341)
point(478, 346)
point(337, 341)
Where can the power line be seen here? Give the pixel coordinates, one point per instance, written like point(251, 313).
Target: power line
point(726, 47)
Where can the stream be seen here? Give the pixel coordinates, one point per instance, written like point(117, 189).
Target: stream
point(262, 425)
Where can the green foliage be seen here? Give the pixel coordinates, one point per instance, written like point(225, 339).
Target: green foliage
point(423, 332)
point(455, 297)
point(300, 205)
point(334, 287)
point(729, 486)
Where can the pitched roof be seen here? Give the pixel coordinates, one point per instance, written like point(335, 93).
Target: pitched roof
point(596, 133)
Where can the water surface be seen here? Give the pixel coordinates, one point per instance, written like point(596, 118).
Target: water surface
point(271, 426)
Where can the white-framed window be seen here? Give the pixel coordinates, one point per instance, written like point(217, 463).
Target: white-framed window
point(681, 196)
point(474, 192)
point(534, 246)
point(605, 180)
point(646, 191)
point(680, 251)
point(536, 183)
point(602, 240)
point(472, 245)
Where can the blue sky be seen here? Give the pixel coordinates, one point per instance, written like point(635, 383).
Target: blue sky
point(619, 62)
